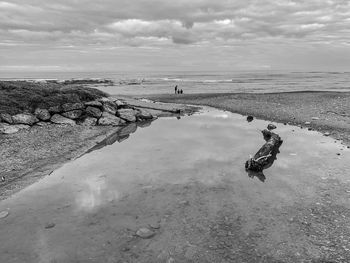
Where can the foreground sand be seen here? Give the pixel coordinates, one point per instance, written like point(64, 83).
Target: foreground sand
point(326, 111)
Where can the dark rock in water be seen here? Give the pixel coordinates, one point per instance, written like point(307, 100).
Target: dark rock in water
point(55, 109)
point(58, 119)
point(72, 106)
point(250, 118)
point(24, 118)
point(50, 225)
point(144, 232)
point(74, 114)
point(5, 128)
point(127, 114)
point(93, 112)
point(42, 114)
point(109, 119)
point(271, 127)
point(89, 121)
point(94, 103)
point(5, 117)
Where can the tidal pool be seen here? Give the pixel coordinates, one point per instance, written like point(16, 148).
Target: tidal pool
point(186, 178)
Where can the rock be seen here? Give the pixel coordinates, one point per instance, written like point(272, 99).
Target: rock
point(307, 123)
point(8, 129)
point(55, 109)
point(315, 118)
point(74, 114)
point(42, 114)
point(49, 225)
point(271, 127)
point(309, 129)
point(5, 117)
point(119, 103)
point(21, 126)
point(338, 153)
point(42, 124)
point(4, 214)
point(155, 225)
point(58, 119)
point(94, 103)
point(108, 105)
point(89, 121)
point(142, 114)
point(93, 112)
point(109, 119)
point(72, 106)
point(127, 114)
point(250, 118)
point(24, 118)
point(144, 232)
point(128, 129)
point(327, 134)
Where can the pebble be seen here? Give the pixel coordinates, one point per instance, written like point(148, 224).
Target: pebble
point(315, 118)
point(4, 214)
point(50, 225)
point(307, 123)
point(327, 134)
point(250, 118)
point(271, 126)
point(144, 232)
point(154, 225)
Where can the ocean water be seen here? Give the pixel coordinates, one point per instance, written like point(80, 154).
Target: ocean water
point(131, 83)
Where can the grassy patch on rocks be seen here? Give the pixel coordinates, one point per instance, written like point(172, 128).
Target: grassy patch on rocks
point(22, 96)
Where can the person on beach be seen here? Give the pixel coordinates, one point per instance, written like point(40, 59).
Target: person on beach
point(175, 89)
point(181, 91)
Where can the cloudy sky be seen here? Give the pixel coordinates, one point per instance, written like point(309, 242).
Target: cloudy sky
point(146, 35)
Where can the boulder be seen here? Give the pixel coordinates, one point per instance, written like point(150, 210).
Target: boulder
point(72, 106)
point(21, 126)
point(145, 232)
point(55, 109)
point(5, 117)
point(42, 114)
point(89, 121)
point(59, 119)
point(93, 112)
point(8, 129)
point(142, 115)
point(94, 103)
point(127, 114)
point(109, 119)
point(24, 118)
point(108, 105)
point(74, 114)
point(119, 103)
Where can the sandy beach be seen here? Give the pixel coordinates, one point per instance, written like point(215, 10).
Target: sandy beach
point(327, 112)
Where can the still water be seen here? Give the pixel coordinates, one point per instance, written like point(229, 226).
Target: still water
point(83, 210)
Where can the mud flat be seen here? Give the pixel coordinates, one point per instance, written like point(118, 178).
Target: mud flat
point(327, 112)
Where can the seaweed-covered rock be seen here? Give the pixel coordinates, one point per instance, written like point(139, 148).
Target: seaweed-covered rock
point(5, 117)
point(74, 114)
point(109, 119)
point(42, 114)
point(24, 118)
point(93, 112)
point(72, 106)
point(127, 114)
point(59, 119)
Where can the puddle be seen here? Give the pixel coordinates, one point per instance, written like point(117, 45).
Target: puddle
point(92, 200)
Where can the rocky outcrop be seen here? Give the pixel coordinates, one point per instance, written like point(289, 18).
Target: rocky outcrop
point(5, 117)
point(59, 119)
point(24, 118)
point(93, 112)
point(42, 114)
point(109, 119)
point(74, 114)
point(127, 114)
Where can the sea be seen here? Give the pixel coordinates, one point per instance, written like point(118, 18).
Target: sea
point(139, 83)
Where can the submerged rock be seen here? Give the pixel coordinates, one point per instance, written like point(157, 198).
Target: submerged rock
point(58, 119)
point(5, 117)
point(109, 119)
point(74, 114)
point(127, 114)
point(24, 118)
point(93, 112)
point(144, 232)
point(42, 114)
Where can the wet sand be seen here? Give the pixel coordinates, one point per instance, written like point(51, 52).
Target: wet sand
point(185, 181)
point(326, 111)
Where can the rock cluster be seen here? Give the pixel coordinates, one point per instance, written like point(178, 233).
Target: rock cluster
point(105, 111)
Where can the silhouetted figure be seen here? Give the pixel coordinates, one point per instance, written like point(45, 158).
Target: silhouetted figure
point(178, 91)
point(181, 91)
point(175, 89)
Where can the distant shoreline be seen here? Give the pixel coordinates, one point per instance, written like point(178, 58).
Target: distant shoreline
point(324, 111)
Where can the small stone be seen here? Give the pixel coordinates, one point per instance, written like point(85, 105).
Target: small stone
point(7, 129)
point(50, 225)
point(42, 114)
point(250, 118)
point(58, 119)
point(327, 134)
point(119, 103)
point(4, 214)
point(271, 127)
point(5, 117)
point(309, 129)
point(74, 114)
point(93, 111)
point(24, 118)
point(315, 118)
point(155, 225)
point(145, 233)
point(307, 123)
point(55, 109)
point(338, 153)
point(284, 123)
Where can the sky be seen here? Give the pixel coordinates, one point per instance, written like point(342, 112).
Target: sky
point(182, 35)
